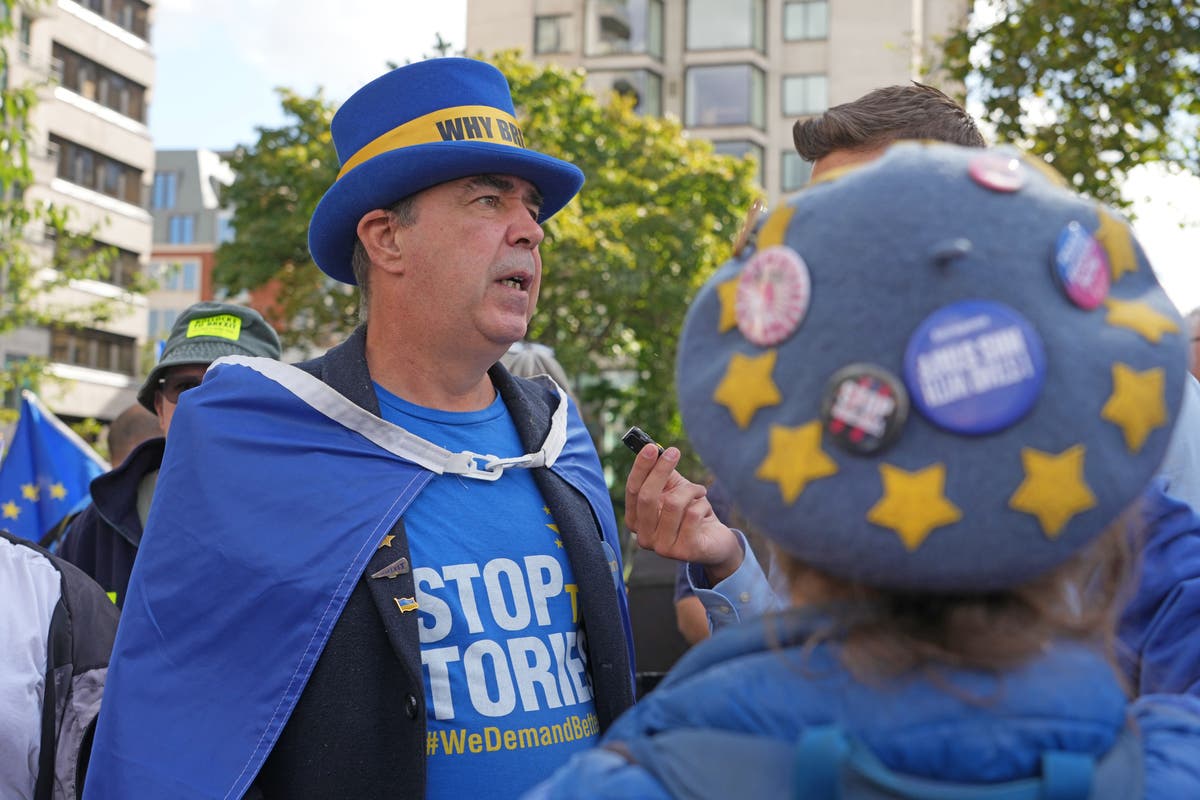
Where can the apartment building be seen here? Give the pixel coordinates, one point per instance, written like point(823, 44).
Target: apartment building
point(189, 225)
point(91, 151)
point(736, 72)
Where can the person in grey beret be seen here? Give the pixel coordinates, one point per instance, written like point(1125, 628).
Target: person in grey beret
point(939, 383)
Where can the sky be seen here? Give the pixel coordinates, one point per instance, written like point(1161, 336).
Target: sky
point(219, 62)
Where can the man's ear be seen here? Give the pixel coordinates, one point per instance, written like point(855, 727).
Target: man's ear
point(377, 232)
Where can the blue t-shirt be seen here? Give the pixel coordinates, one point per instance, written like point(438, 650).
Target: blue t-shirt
point(507, 691)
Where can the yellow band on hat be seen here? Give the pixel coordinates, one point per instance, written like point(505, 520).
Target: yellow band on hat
point(456, 124)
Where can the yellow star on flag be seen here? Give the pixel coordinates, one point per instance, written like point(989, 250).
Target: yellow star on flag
point(11, 510)
point(747, 386)
point(58, 491)
point(558, 543)
point(30, 492)
point(1139, 317)
point(1115, 238)
point(1136, 404)
point(1054, 489)
point(727, 294)
point(913, 503)
point(794, 459)
point(387, 541)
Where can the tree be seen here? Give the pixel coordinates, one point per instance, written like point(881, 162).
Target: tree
point(658, 214)
point(35, 277)
point(1095, 87)
point(278, 182)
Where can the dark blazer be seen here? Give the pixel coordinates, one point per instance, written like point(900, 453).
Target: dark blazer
point(358, 729)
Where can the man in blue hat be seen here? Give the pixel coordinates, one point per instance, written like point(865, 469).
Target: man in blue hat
point(394, 573)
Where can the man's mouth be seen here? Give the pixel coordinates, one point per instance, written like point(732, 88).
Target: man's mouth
point(519, 282)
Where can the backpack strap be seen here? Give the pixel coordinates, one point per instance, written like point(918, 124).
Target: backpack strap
point(828, 765)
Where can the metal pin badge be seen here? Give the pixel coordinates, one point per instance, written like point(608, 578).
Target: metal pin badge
point(405, 604)
point(394, 569)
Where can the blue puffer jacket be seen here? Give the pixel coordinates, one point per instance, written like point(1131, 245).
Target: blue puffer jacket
point(747, 696)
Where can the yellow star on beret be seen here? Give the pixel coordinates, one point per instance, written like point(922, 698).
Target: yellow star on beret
point(1139, 317)
point(1054, 489)
point(913, 503)
point(1117, 241)
point(795, 458)
point(747, 386)
point(774, 229)
point(1136, 404)
point(727, 294)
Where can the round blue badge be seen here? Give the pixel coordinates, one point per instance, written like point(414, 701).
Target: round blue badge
point(974, 367)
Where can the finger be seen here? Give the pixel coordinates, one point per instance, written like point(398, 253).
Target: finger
point(642, 464)
point(682, 507)
point(649, 496)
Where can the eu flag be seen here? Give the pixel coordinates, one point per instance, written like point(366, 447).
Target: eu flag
point(45, 473)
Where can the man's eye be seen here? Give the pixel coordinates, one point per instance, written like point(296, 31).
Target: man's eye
point(489, 200)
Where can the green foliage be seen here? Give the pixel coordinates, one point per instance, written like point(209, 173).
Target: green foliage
point(279, 181)
point(657, 215)
point(34, 274)
point(1095, 87)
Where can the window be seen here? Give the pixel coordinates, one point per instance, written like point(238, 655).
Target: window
point(181, 228)
point(795, 171)
point(176, 276)
point(161, 322)
point(86, 347)
point(123, 265)
point(805, 19)
point(805, 94)
point(96, 171)
point(166, 189)
point(553, 34)
point(741, 148)
point(725, 25)
point(728, 94)
point(225, 229)
point(624, 26)
point(100, 84)
point(645, 87)
point(132, 15)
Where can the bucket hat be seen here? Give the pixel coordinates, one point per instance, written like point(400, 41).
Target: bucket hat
point(207, 331)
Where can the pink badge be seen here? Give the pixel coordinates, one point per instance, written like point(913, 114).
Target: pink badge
point(998, 172)
point(772, 295)
point(1081, 266)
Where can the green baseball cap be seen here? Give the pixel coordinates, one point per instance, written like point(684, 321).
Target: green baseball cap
point(205, 332)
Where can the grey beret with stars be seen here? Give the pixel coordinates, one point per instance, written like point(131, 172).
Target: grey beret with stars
point(942, 371)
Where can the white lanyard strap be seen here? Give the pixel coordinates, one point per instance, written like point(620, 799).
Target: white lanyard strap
point(480, 466)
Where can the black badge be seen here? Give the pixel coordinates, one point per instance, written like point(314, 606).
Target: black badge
point(864, 408)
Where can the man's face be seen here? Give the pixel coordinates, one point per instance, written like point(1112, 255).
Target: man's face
point(470, 261)
point(176, 380)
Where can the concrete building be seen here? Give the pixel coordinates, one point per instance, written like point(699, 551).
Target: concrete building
point(189, 225)
point(91, 151)
point(737, 72)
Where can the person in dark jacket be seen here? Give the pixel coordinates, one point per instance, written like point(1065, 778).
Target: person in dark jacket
point(103, 539)
point(939, 383)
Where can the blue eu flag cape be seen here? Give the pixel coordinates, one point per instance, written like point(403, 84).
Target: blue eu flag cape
point(244, 569)
point(46, 472)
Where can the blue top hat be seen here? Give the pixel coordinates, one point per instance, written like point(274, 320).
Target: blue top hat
point(943, 371)
point(418, 126)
